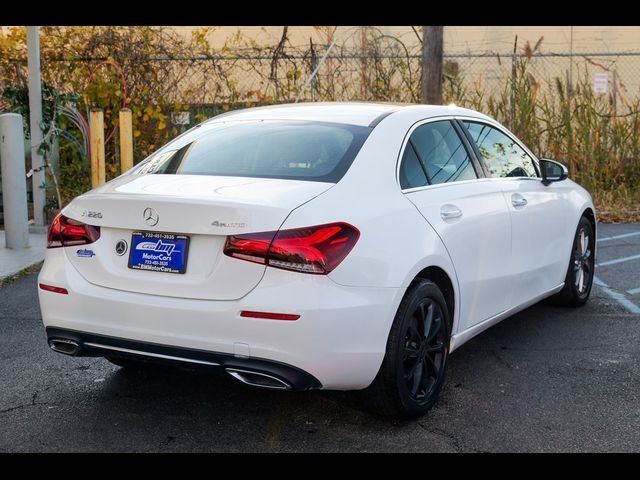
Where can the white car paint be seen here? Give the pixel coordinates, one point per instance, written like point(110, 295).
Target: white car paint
point(499, 258)
point(189, 204)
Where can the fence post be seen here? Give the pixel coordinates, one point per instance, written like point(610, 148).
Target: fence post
point(126, 140)
point(615, 92)
point(14, 183)
point(314, 63)
point(363, 64)
point(96, 123)
point(514, 74)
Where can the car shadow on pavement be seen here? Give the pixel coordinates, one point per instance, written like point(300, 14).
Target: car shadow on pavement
point(538, 370)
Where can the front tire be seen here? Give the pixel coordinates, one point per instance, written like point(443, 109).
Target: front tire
point(414, 366)
point(579, 278)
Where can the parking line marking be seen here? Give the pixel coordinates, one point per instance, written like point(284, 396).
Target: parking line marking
point(618, 260)
point(615, 237)
point(633, 291)
point(617, 296)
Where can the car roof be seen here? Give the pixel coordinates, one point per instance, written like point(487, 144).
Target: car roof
point(353, 113)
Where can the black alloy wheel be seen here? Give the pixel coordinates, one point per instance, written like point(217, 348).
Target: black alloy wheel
point(414, 366)
point(579, 276)
point(582, 261)
point(424, 350)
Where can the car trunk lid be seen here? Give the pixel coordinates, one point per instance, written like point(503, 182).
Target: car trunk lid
point(206, 209)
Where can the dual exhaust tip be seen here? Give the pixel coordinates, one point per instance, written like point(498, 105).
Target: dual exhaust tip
point(257, 379)
point(64, 345)
point(248, 377)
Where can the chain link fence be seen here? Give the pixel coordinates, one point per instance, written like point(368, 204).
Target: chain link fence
point(378, 76)
point(493, 73)
point(582, 108)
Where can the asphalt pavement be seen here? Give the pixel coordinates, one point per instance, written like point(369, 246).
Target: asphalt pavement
point(548, 379)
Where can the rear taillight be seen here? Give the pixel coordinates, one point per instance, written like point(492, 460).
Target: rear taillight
point(66, 232)
point(317, 249)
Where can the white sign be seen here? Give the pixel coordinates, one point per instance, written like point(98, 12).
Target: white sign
point(180, 118)
point(601, 82)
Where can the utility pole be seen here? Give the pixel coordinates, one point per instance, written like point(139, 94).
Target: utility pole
point(35, 119)
point(432, 41)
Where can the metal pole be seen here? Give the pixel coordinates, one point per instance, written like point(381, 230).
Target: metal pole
point(570, 87)
point(514, 74)
point(363, 64)
point(615, 93)
point(35, 119)
point(14, 184)
point(315, 71)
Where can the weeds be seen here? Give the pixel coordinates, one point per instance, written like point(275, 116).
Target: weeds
point(24, 272)
point(572, 124)
point(596, 135)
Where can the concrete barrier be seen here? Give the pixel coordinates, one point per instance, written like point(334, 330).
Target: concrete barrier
point(14, 184)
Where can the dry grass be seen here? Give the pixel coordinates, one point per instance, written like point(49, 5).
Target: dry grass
point(614, 207)
point(599, 143)
point(26, 271)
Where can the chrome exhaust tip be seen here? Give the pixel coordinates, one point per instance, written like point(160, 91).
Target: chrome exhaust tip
point(63, 345)
point(257, 379)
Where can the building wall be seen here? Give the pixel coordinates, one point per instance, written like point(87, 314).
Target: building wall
point(461, 39)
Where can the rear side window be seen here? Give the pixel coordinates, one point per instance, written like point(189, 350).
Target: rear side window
point(268, 149)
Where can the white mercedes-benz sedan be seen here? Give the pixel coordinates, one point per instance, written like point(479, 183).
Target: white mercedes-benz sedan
point(342, 246)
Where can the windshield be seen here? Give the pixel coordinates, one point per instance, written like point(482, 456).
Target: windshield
point(297, 150)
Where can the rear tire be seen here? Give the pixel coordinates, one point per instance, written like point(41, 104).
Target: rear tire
point(579, 278)
point(414, 366)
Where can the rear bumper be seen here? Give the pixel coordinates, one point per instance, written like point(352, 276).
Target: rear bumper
point(284, 377)
point(338, 342)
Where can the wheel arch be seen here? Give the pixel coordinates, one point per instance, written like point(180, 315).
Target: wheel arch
point(442, 279)
point(590, 215)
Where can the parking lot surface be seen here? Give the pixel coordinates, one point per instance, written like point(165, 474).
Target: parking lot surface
point(547, 379)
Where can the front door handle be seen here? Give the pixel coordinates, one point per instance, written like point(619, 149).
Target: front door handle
point(449, 212)
point(518, 200)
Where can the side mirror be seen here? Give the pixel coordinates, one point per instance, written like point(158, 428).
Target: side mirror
point(553, 171)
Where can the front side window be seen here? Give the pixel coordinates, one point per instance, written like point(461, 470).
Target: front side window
point(442, 153)
point(501, 154)
point(296, 150)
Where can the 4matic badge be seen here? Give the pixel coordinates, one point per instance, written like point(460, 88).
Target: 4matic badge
point(217, 223)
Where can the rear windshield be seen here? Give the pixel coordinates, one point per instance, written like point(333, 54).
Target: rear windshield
point(268, 149)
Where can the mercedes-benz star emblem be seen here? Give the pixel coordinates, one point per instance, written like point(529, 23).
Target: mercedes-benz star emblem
point(121, 247)
point(150, 216)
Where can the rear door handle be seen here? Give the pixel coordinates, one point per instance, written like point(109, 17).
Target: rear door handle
point(449, 212)
point(518, 200)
